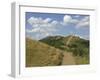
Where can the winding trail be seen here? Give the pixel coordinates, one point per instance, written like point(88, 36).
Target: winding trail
point(69, 40)
point(68, 59)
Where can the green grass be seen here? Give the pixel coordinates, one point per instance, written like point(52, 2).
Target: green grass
point(81, 60)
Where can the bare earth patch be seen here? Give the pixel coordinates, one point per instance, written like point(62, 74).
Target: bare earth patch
point(68, 59)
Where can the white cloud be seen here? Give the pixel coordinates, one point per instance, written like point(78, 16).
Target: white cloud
point(54, 22)
point(36, 29)
point(34, 20)
point(46, 27)
point(74, 21)
point(84, 22)
point(47, 20)
point(43, 27)
point(85, 19)
point(69, 20)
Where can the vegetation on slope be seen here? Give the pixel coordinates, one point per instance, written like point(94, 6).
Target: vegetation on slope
point(40, 54)
point(78, 46)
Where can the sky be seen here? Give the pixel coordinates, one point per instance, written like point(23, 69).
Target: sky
point(41, 25)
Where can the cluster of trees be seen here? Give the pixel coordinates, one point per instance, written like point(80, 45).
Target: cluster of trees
point(79, 47)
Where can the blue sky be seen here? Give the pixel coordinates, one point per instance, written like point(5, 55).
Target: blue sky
point(41, 25)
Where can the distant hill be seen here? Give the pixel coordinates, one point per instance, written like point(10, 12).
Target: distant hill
point(76, 45)
point(41, 54)
point(66, 42)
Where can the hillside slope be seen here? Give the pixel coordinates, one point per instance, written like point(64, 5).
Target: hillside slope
point(40, 54)
point(78, 46)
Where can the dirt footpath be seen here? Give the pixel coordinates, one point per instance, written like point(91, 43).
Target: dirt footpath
point(68, 59)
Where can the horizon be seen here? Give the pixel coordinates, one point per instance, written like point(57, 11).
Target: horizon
point(56, 36)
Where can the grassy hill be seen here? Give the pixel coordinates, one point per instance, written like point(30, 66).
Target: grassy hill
point(41, 54)
point(57, 50)
point(78, 46)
